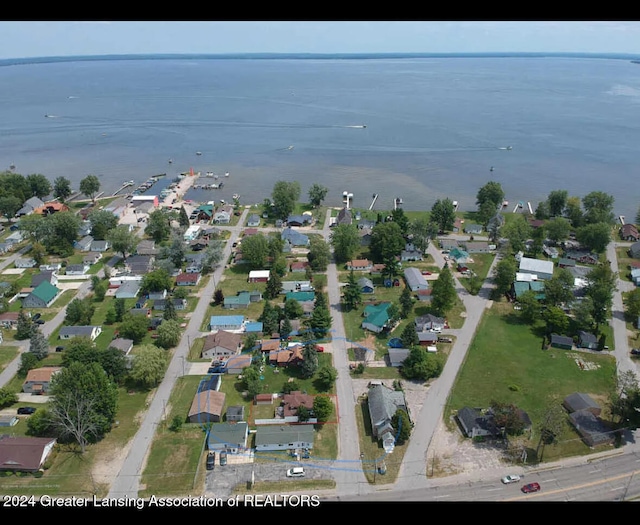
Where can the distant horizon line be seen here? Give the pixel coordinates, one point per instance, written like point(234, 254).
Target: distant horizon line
point(310, 56)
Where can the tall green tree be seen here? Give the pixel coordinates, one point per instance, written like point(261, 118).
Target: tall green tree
point(149, 366)
point(517, 232)
point(319, 255)
point(598, 207)
point(255, 250)
point(134, 327)
point(90, 186)
point(443, 293)
point(557, 229)
point(38, 344)
point(84, 403)
point(351, 294)
point(595, 236)
point(409, 336)
point(274, 286)
point(284, 197)
point(168, 334)
point(317, 193)
point(39, 184)
point(386, 240)
point(320, 321)
point(601, 284)
point(61, 188)
point(559, 289)
point(406, 302)
point(504, 276)
point(422, 231)
point(102, 221)
point(309, 364)
point(491, 192)
point(23, 326)
point(156, 281)
point(183, 219)
point(557, 200)
point(401, 425)
point(322, 408)
point(400, 218)
point(443, 213)
point(158, 225)
point(345, 241)
point(79, 312)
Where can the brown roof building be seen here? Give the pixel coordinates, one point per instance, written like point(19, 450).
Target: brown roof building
point(38, 380)
point(24, 453)
point(207, 407)
point(294, 400)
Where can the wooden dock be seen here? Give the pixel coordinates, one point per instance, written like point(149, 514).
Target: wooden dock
point(125, 185)
point(375, 198)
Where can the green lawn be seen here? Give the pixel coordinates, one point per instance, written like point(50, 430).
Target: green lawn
point(506, 363)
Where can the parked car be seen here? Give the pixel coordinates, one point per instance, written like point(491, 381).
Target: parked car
point(320, 348)
point(211, 460)
point(59, 348)
point(530, 487)
point(40, 321)
point(511, 478)
point(36, 317)
point(223, 458)
point(635, 351)
point(425, 272)
point(26, 410)
point(295, 472)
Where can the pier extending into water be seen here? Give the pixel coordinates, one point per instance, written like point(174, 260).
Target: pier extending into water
point(124, 185)
point(375, 198)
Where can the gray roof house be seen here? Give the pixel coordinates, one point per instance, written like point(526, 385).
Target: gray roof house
point(29, 205)
point(429, 322)
point(579, 401)
point(593, 430)
point(283, 437)
point(294, 237)
point(634, 250)
point(230, 437)
point(365, 285)
point(99, 246)
point(84, 244)
point(561, 341)
point(411, 253)
point(383, 403)
point(415, 280)
point(124, 345)
point(128, 290)
point(538, 267)
point(473, 423)
point(398, 355)
point(25, 263)
point(69, 332)
point(76, 269)
point(587, 340)
point(253, 220)
point(473, 228)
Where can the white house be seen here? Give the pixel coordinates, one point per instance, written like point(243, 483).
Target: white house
point(25, 263)
point(69, 332)
point(192, 232)
point(542, 269)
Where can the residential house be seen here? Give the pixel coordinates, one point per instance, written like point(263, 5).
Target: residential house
point(365, 285)
point(296, 286)
point(478, 247)
point(226, 322)
point(99, 246)
point(360, 265)
point(561, 341)
point(237, 363)
point(253, 220)
point(91, 258)
point(221, 345)
point(430, 322)
point(397, 356)
point(634, 250)
point(424, 295)
point(188, 279)
point(84, 244)
point(593, 430)
point(8, 421)
point(284, 437)
point(376, 317)
point(383, 403)
point(458, 225)
point(223, 215)
point(582, 256)
point(198, 245)
point(495, 222)
point(254, 327)
point(139, 264)
point(587, 340)
point(49, 208)
point(76, 269)
point(192, 233)
point(5, 247)
point(298, 220)
point(69, 332)
point(427, 338)
point(42, 296)
point(258, 276)
point(248, 232)
point(25, 263)
point(580, 401)
point(207, 407)
point(38, 380)
point(194, 262)
point(290, 356)
point(415, 280)
point(178, 304)
point(242, 299)
point(84, 229)
point(231, 436)
point(24, 454)
point(270, 345)
point(565, 262)
point(473, 229)
point(14, 238)
point(550, 251)
point(263, 399)
point(140, 310)
point(204, 213)
point(411, 253)
point(365, 236)
point(294, 237)
point(154, 296)
point(146, 247)
point(541, 269)
point(291, 402)
point(235, 414)
point(476, 424)
point(49, 276)
point(366, 224)
point(124, 345)
point(29, 206)
point(128, 290)
point(299, 266)
point(629, 232)
point(344, 217)
point(460, 256)
point(635, 276)
point(9, 320)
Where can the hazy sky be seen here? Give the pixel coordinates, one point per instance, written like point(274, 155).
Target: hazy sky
point(59, 38)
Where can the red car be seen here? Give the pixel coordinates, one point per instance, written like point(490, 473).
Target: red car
point(320, 348)
point(531, 487)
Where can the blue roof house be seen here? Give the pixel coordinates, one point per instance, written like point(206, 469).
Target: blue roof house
point(295, 238)
point(226, 322)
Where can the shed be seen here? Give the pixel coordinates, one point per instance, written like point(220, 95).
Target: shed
point(580, 401)
point(561, 341)
point(587, 340)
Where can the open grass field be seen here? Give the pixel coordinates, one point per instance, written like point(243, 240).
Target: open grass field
point(506, 363)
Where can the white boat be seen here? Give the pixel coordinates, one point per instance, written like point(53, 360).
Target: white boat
point(226, 174)
point(209, 173)
point(198, 153)
point(236, 196)
point(290, 147)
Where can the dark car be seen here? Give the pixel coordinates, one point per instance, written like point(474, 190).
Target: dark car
point(36, 317)
point(26, 410)
point(40, 321)
point(59, 348)
point(530, 487)
point(223, 458)
point(211, 460)
point(635, 351)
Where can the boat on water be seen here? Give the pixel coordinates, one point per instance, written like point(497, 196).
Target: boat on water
point(12, 167)
point(198, 152)
point(509, 147)
point(226, 174)
point(209, 173)
point(236, 196)
point(491, 168)
point(170, 161)
point(505, 204)
point(290, 148)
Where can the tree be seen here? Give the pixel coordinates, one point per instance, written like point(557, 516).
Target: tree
point(345, 241)
point(251, 343)
point(517, 231)
point(351, 295)
point(551, 426)
point(60, 232)
point(530, 307)
point(38, 253)
point(119, 308)
point(9, 205)
point(270, 318)
point(183, 219)
point(32, 227)
point(100, 290)
point(557, 229)
point(486, 210)
point(102, 222)
point(573, 212)
point(557, 321)
point(491, 192)
point(255, 251)
point(168, 334)
point(598, 207)
point(90, 186)
point(557, 200)
point(443, 292)
point(594, 236)
point(542, 210)
point(400, 218)
point(158, 225)
point(114, 363)
point(632, 304)
point(559, 289)
point(285, 329)
point(583, 314)
point(79, 312)
point(284, 197)
point(134, 327)
point(406, 302)
point(218, 297)
point(390, 267)
point(7, 397)
point(322, 408)
point(317, 193)
point(327, 376)
point(38, 344)
point(401, 425)
point(274, 286)
point(309, 364)
point(156, 281)
point(122, 240)
point(506, 416)
point(320, 321)
point(40, 185)
point(61, 188)
point(23, 326)
point(81, 350)
point(409, 336)
point(149, 365)
point(504, 275)
point(83, 404)
point(176, 251)
point(212, 256)
point(443, 213)
point(386, 241)
point(601, 283)
point(422, 231)
point(28, 361)
point(169, 313)
point(421, 365)
point(319, 255)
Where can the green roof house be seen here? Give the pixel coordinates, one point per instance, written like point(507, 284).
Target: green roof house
point(301, 297)
point(42, 296)
point(376, 317)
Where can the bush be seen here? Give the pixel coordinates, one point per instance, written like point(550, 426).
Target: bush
point(514, 388)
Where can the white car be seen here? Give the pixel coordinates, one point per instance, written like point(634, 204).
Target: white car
point(511, 478)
